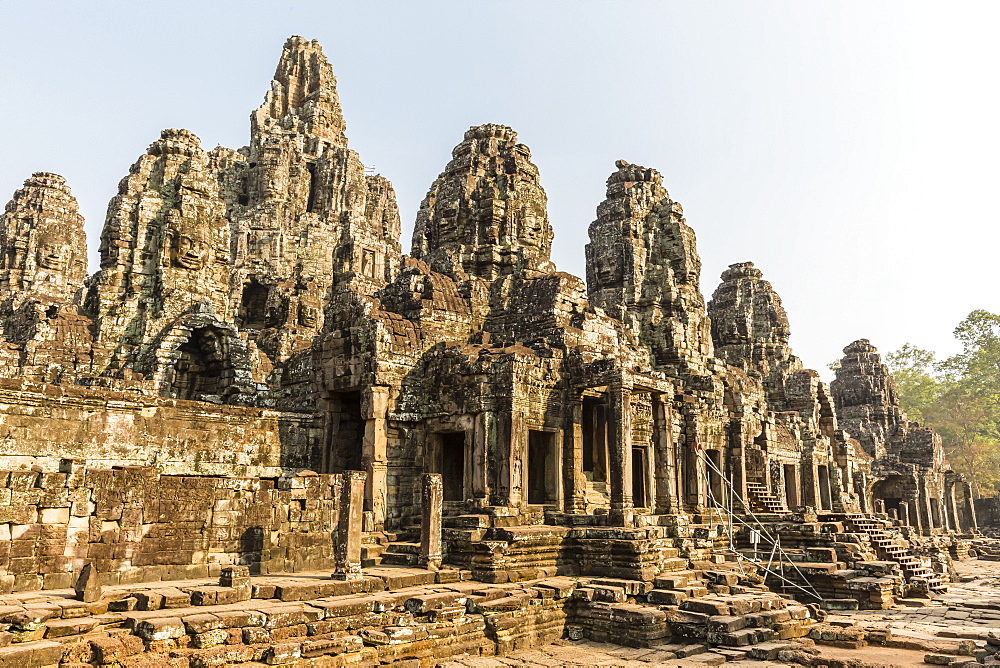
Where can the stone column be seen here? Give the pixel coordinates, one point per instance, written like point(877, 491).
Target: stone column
point(951, 510)
point(431, 505)
point(970, 507)
point(573, 478)
point(693, 472)
point(664, 459)
point(480, 432)
point(926, 515)
point(737, 464)
point(620, 454)
point(913, 510)
point(374, 408)
point(347, 548)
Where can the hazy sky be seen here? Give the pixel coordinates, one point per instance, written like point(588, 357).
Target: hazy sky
point(849, 149)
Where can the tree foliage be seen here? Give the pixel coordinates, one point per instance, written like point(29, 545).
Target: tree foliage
point(959, 397)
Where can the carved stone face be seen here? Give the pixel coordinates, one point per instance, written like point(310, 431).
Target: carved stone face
point(533, 224)
point(52, 255)
point(609, 268)
point(189, 253)
point(308, 315)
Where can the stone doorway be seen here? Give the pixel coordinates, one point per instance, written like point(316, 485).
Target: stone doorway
point(345, 433)
point(541, 468)
point(639, 468)
point(823, 475)
point(595, 438)
point(791, 486)
point(451, 465)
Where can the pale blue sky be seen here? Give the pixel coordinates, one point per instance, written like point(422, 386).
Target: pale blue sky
point(849, 149)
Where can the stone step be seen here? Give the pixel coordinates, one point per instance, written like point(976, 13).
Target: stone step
point(401, 547)
point(399, 559)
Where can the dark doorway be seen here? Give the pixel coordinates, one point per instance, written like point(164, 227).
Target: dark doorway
point(791, 487)
point(539, 467)
point(595, 438)
point(452, 465)
point(825, 502)
point(346, 433)
point(714, 466)
point(639, 478)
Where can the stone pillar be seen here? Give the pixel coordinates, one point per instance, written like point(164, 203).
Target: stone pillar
point(573, 479)
point(737, 464)
point(374, 408)
point(347, 548)
point(620, 454)
point(693, 472)
point(431, 505)
point(951, 509)
point(913, 511)
point(501, 476)
point(926, 515)
point(480, 431)
point(969, 506)
point(664, 459)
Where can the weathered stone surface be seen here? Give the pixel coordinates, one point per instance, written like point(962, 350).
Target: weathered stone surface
point(87, 586)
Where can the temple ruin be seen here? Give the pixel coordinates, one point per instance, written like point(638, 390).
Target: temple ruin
point(260, 432)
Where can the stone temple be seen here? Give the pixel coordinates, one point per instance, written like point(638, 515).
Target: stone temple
point(258, 388)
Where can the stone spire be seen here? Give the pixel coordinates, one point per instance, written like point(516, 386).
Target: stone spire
point(165, 244)
point(486, 213)
point(866, 398)
point(749, 326)
point(43, 248)
point(643, 267)
point(303, 96)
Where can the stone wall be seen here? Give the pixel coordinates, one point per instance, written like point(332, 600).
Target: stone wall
point(41, 424)
point(136, 525)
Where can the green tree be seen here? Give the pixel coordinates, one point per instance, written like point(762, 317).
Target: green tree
point(919, 388)
point(959, 397)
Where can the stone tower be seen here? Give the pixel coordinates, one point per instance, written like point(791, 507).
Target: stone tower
point(485, 215)
point(43, 248)
point(643, 268)
point(165, 247)
point(750, 328)
point(308, 218)
point(866, 398)
point(43, 263)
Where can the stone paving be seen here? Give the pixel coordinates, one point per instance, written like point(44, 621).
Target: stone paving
point(918, 629)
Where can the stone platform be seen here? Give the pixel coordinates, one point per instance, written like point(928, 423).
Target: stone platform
point(389, 615)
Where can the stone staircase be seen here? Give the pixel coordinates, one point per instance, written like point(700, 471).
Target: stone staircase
point(399, 548)
point(763, 500)
point(891, 548)
point(596, 495)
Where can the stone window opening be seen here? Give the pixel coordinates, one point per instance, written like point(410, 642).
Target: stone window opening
point(640, 498)
point(368, 263)
point(201, 367)
point(313, 188)
point(449, 461)
point(253, 306)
